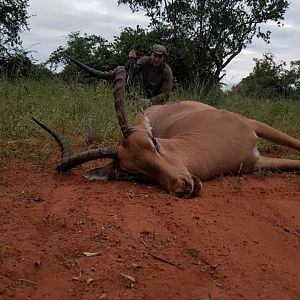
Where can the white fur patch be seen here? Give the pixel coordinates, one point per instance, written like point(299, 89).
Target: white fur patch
point(151, 142)
point(256, 153)
point(147, 125)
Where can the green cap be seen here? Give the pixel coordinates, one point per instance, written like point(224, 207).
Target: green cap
point(159, 49)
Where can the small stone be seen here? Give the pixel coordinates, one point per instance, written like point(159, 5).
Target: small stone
point(89, 280)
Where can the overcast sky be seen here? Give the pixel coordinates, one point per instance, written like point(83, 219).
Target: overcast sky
point(54, 20)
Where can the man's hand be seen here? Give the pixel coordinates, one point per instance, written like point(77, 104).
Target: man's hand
point(132, 54)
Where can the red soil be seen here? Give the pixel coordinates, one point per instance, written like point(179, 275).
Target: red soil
point(239, 240)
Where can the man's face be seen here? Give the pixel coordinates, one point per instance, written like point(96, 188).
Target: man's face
point(157, 59)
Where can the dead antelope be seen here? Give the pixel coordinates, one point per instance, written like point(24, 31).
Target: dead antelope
point(178, 145)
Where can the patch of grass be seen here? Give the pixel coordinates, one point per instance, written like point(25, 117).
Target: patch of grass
point(61, 106)
point(76, 111)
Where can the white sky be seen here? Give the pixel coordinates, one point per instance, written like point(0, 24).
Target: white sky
point(54, 20)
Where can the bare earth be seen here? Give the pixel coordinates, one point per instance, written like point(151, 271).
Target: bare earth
point(239, 240)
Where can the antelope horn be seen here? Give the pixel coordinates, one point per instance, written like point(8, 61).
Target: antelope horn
point(119, 77)
point(68, 162)
point(119, 98)
point(95, 73)
point(85, 156)
point(65, 153)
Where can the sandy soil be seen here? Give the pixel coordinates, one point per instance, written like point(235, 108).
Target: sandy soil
point(239, 240)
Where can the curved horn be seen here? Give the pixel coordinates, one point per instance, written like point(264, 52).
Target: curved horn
point(68, 162)
point(85, 156)
point(119, 98)
point(119, 76)
point(95, 73)
point(65, 153)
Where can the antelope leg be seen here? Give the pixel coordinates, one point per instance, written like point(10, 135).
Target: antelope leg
point(279, 164)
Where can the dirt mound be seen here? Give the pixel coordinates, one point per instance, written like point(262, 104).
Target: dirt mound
point(64, 238)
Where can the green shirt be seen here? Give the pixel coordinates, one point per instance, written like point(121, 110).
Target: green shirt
point(157, 82)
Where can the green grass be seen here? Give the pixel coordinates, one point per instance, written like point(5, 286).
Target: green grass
point(66, 107)
point(61, 106)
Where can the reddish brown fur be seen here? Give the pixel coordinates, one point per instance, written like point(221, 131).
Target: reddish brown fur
point(198, 141)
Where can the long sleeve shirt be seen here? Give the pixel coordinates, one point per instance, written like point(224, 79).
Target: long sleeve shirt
point(157, 82)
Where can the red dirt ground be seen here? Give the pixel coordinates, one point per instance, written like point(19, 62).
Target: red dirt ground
point(239, 240)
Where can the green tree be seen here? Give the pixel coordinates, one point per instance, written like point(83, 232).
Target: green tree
point(98, 53)
point(125, 42)
point(90, 49)
point(13, 20)
point(265, 81)
point(19, 65)
point(145, 39)
point(291, 80)
point(205, 35)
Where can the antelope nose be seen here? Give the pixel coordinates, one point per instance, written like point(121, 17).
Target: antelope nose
point(183, 188)
point(187, 187)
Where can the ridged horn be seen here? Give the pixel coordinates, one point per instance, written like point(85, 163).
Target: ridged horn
point(65, 153)
point(119, 98)
point(119, 77)
point(95, 73)
point(67, 161)
point(84, 157)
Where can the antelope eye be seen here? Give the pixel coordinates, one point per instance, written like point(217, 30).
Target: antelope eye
point(155, 143)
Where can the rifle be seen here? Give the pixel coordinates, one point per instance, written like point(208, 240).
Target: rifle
point(129, 75)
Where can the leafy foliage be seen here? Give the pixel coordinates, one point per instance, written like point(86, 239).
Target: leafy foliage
point(125, 42)
point(204, 36)
point(292, 80)
point(93, 50)
point(20, 65)
point(270, 80)
point(13, 19)
point(14, 61)
point(98, 53)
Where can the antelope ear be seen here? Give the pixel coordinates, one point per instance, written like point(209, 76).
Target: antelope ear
point(139, 119)
point(143, 121)
point(197, 185)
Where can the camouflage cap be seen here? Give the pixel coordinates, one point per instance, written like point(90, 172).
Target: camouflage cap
point(159, 49)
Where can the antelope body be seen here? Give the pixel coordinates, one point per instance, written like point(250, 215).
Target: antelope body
point(180, 144)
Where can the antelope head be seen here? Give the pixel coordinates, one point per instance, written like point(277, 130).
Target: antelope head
point(142, 153)
point(139, 152)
